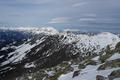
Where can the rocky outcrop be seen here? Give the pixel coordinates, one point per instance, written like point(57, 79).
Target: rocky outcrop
point(110, 64)
point(76, 73)
point(99, 77)
point(114, 74)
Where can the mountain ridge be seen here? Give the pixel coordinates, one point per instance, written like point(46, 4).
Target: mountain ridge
point(47, 49)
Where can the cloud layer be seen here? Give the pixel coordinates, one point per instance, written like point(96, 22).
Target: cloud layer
point(98, 13)
point(60, 20)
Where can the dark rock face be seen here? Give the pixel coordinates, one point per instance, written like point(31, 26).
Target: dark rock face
point(114, 74)
point(76, 73)
point(50, 52)
point(117, 47)
point(99, 77)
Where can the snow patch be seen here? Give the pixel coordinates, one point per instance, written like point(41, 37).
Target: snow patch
point(116, 79)
point(96, 58)
point(50, 73)
point(114, 57)
point(29, 65)
point(1, 56)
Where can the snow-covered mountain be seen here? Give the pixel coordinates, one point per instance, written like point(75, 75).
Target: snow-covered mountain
point(35, 30)
point(48, 47)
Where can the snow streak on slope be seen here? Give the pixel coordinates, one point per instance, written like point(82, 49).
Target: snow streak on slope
point(20, 52)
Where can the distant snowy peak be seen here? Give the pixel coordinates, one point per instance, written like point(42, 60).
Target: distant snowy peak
point(35, 30)
point(48, 30)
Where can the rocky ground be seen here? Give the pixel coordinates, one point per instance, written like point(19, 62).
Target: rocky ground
point(105, 66)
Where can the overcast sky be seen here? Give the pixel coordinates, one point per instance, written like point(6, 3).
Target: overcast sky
point(61, 13)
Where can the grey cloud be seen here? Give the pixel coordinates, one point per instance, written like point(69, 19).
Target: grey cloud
point(79, 4)
point(60, 20)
